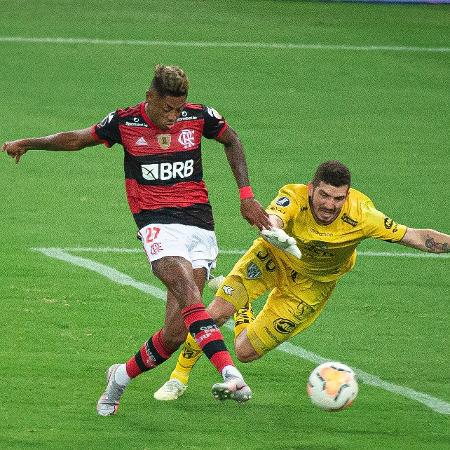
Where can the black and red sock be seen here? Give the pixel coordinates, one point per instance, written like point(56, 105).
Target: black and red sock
point(151, 354)
point(207, 335)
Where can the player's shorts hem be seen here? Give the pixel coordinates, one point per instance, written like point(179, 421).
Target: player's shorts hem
point(194, 244)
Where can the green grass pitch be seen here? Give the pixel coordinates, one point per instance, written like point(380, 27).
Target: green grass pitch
point(383, 111)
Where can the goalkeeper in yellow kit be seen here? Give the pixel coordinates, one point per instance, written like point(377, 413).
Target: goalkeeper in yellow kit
point(312, 244)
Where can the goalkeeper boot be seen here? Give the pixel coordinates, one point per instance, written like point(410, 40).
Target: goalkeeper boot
point(170, 390)
point(244, 315)
point(232, 388)
point(108, 403)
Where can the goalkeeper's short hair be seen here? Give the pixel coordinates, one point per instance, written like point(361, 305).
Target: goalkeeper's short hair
point(332, 172)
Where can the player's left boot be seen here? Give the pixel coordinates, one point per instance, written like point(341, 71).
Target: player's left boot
point(108, 403)
point(232, 388)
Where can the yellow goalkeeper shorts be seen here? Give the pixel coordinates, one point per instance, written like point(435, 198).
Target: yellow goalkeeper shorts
point(293, 304)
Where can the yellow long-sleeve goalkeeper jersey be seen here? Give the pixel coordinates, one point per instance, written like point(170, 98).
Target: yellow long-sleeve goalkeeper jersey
point(329, 251)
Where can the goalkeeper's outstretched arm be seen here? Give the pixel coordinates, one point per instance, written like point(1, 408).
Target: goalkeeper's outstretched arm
point(431, 241)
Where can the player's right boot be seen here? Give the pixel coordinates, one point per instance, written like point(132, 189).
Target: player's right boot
point(232, 388)
point(170, 390)
point(108, 403)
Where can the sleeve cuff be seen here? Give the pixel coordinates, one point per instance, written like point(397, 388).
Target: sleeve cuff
point(97, 138)
point(225, 127)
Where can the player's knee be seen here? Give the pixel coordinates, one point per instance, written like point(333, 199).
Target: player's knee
point(244, 349)
point(245, 355)
point(174, 273)
point(220, 310)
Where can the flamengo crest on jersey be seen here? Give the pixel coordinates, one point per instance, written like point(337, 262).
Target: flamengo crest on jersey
point(163, 168)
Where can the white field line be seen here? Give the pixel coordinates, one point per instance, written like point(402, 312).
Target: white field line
point(114, 275)
point(216, 44)
point(241, 252)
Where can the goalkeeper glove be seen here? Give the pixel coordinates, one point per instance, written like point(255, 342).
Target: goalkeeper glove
point(279, 238)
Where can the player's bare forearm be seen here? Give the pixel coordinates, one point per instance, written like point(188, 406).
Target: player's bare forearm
point(64, 141)
point(235, 156)
point(251, 209)
point(437, 242)
point(426, 240)
point(275, 221)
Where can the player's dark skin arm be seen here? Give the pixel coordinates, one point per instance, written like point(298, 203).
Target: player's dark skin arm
point(431, 241)
point(251, 209)
point(64, 141)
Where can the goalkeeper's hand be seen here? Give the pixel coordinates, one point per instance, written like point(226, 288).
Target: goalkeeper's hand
point(279, 238)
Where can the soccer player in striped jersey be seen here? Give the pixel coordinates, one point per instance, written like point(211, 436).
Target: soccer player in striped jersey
point(168, 198)
point(316, 229)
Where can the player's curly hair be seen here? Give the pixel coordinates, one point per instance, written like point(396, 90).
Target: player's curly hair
point(332, 172)
point(170, 81)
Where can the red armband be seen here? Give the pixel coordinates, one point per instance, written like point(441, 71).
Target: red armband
point(246, 192)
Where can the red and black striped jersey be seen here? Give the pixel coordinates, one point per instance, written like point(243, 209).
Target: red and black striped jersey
point(163, 168)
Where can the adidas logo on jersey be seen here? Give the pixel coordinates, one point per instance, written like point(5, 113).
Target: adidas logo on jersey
point(141, 141)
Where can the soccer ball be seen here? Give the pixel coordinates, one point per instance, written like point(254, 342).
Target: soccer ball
point(332, 386)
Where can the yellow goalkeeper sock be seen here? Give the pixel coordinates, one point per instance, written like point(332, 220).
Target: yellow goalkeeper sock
point(189, 355)
point(242, 319)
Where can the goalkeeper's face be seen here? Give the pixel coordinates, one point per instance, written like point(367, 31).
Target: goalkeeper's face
point(327, 201)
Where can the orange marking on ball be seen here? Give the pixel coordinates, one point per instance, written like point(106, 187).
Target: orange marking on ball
point(334, 379)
